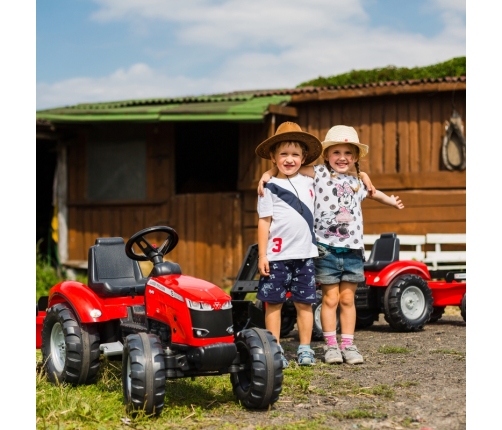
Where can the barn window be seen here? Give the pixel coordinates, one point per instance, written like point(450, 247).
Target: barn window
point(116, 170)
point(206, 157)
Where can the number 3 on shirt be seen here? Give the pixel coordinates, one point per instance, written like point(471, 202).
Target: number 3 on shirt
point(278, 244)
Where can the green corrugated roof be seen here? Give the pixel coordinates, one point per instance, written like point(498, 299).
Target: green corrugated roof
point(243, 107)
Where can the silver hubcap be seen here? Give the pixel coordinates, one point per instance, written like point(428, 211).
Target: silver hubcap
point(412, 303)
point(58, 347)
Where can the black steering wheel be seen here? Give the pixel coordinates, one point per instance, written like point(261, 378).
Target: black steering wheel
point(150, 252)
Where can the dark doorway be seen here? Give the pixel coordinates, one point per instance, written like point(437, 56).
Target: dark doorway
point(46, 166)
point(206, 157)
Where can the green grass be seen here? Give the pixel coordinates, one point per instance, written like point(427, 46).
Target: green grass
point(386, 349)
point(447, 351)
point(453, 67)
point(192, 404)
point(48, 275)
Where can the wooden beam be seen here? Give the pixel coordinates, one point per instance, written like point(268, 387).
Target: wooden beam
point(283, 110)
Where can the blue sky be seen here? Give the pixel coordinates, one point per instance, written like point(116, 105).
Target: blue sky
point(103, 50)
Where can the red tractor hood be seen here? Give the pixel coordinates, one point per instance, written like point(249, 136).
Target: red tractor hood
point(188, 287)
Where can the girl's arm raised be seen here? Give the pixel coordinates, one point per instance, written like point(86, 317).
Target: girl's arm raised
point(383, 198)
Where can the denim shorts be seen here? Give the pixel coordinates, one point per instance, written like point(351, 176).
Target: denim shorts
point(332, 267)
point(295, 276)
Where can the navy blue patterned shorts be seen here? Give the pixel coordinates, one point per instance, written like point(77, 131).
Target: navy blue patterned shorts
point(296, 276)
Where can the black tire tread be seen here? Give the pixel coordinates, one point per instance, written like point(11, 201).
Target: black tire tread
point(82, 347)
point(148, 376)
point(437, 313)
point(260, 384)
point(392, 307)
point(463, 309)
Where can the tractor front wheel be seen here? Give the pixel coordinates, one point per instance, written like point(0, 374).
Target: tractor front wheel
point(259, 384)
point(70, 350)
point(408, 303)
point(143, 374)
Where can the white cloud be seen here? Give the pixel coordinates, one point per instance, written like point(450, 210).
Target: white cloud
point(137, 82)
point(268, 44)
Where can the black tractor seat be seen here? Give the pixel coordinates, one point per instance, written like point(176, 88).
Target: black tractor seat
point(111, 273)
point(385, 250)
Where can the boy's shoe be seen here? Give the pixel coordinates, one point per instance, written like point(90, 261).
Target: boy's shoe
point(306, 357)
point(351, 355)
point(332, 354)
point(285, 363)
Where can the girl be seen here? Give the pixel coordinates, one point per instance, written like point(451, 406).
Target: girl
point(338, 225)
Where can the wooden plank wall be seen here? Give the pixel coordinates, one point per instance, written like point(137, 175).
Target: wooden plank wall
point(210, 231)
point(404, 133)
point(208, 225)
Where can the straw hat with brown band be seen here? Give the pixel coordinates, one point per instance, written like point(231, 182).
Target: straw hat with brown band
point(340, 134)
point(290, 131)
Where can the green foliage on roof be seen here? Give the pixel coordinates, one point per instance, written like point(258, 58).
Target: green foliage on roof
point(454, 67)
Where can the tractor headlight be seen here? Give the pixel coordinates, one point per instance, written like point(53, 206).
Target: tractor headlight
point(198, 306)
point(95, 313)
point(227, 305)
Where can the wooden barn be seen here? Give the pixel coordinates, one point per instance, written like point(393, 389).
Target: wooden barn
point(112, 169)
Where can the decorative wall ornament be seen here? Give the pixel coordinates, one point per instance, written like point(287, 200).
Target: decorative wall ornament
point(453, 148)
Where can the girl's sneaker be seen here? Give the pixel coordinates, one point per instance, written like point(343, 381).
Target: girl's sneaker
point(351, 355)
point(332, 354)
point(285, 363)
point(306, 357)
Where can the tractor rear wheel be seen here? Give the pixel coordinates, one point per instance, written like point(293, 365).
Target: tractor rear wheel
point(70, 350)
point(143, 374)
point(408, 303)
point(259, 384)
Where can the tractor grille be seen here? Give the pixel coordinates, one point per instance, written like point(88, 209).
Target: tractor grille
point(209, 324)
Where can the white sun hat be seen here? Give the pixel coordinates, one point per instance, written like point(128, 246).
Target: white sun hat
point(340, 134)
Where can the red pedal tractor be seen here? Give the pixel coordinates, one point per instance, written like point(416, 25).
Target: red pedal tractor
point(400, 289)
point(165, 325)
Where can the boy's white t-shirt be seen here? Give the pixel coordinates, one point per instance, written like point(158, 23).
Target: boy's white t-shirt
point(338, 214)
point(291, 234)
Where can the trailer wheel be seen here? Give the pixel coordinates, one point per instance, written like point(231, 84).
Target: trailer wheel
point(259, 384)
point(70, 350)
point(408, 303)
point(143, 374)
point(437, 313)
point(365, 318)
point(462, 308)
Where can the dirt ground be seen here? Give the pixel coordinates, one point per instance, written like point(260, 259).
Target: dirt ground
point(408, 380)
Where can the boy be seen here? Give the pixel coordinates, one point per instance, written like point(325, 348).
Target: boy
point(286, 240)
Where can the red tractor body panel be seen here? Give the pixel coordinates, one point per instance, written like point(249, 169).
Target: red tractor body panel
point(385, 276)
point(83, 300)
point(447, 293)
point(40, 323)
point(167, 301)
